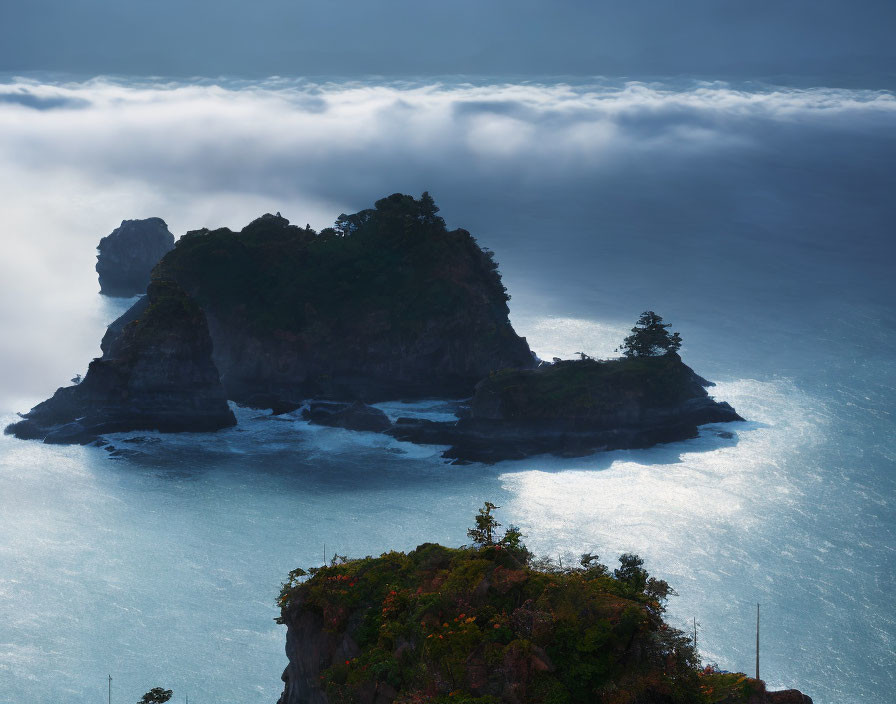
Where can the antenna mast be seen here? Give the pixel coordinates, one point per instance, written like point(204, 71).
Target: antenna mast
point(757, 641)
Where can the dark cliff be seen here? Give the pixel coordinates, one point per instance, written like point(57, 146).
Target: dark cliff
point(128, 254)
point(487, 625)
point(391, 305)
point(576, 407)
point(156, 374)
point(601, 394)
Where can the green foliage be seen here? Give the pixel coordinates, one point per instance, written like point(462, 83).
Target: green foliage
point(650, 338)
point(591, 565)
point(631, 573)
point(512, 542)
point(589, 390)
point(483, 533)
point(157, 695)
point(462, 625)
point(395, 267)
point(717, 686)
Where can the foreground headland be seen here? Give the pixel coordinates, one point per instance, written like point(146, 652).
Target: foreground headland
point(490, 624)
point(388, 304)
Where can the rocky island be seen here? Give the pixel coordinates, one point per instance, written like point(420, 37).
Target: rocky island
point(388, 304)
point(575, 407)
point(489, 624)
point(128, 254)
point(156, 374)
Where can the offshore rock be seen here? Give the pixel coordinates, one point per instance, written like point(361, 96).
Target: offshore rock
point(278, 404)
point(351, 416)
point(127, 255)
point(156, 375)
point(574, 408)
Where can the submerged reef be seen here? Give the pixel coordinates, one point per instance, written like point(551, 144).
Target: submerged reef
point(488, 624)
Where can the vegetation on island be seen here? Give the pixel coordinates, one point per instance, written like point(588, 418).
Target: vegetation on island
point(602, 394)
point(396, 261)
point(489, 623)
point(650, 338)
point(587, 388)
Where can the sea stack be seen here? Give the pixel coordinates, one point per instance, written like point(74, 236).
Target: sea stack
point(156, 374)
point(128, 254)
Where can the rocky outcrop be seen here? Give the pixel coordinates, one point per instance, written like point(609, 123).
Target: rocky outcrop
point(391, 306)
point(310, 648)
point(113, 332)
point(388, 305)
point(127, 255)
point(787, 696)
point(156, 374)
point(351, 416)
point(486, 624)
point(575, 408)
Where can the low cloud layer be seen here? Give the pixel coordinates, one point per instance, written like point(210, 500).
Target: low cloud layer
point(598, 198)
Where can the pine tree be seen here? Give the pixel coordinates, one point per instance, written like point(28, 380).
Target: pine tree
point(650, 338)
point(486, 525)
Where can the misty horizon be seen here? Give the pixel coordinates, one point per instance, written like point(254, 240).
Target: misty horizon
point(831, 42)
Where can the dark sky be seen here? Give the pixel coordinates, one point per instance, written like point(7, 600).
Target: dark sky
point(848, 41)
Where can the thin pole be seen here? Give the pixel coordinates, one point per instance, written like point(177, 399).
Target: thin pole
point(757, 641)
point(695, 633)
point(110, 689)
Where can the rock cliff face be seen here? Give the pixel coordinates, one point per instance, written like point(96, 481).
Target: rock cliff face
point(127, 255)
point(575, 408)
point(156, 374)
point(390, 305)
point(485, 626)
point(311, 648)
point(393, 305)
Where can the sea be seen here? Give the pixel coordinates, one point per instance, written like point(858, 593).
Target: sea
point(757, 218)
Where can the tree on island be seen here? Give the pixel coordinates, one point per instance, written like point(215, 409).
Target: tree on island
point(650, 338)
point(486, 526)
point(157, 695)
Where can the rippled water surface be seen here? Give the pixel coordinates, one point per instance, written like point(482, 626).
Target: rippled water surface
point(754, 221)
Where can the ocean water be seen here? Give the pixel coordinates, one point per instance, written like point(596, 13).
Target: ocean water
point(756, 219)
